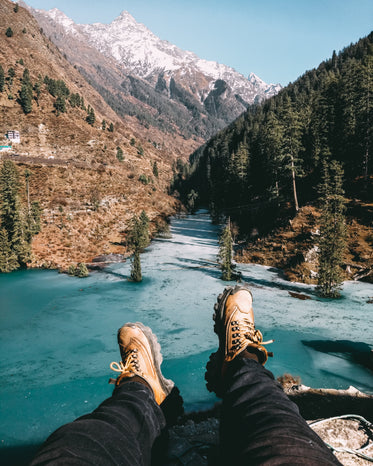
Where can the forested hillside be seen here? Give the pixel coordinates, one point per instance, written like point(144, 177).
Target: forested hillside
point(267, 164)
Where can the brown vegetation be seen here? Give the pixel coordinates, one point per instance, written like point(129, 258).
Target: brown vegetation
point(293, 247)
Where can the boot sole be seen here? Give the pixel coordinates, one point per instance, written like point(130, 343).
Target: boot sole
point(166, 384)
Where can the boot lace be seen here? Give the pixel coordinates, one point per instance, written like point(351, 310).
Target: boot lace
point(130, 365)
point(245, 333)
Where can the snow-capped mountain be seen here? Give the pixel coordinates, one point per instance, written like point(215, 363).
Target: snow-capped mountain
point(205, 95)
point(137, 49)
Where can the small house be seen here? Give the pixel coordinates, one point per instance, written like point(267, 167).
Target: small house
point(13, 136)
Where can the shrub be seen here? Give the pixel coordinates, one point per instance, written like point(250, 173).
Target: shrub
point(80, 270)
point(9, 32)
point(144, 179)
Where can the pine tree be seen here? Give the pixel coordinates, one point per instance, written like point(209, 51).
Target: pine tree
point(226, 252)
point(111, 128)
point(60, 105)
point(291, 143)
point(9, 32)
point(332, 241)
point(120, 154)
point(144, 230)
point(14, 219)
point(103, 125)
point(8, 260)
point(136, 275)
point(91, 117)
point(155, 169)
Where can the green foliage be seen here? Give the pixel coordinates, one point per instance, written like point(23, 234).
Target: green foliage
point(138, 239)
point(79, 270)
point(10, 77)
point(25, 94)
point(8, 259)
point(24, 31)
point(111, 128)
point(132, 141)
point(103, 125)
point(16, 8)
point(155, 169)
point(120, 156)
point(9, 32)
point(76, 101)
point(140, 150)
point(57, 87)
point(21, 62)
point(60, 105)
point(91, 117)
point(252, 169)
point(37, 89)
point(2, 78)
point(138, 235)
point(144, 179)
point(332, 241)
point(136, 275)
point(226, 252)
point(15, 220)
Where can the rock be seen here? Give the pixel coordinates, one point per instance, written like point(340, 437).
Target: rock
point(312, 254)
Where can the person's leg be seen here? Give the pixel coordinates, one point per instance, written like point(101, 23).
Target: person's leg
point(259, 424)
point(122, 430)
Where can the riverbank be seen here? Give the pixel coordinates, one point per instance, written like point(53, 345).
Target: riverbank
point(293, 247)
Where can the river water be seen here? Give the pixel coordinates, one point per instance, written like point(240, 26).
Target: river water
point(58, 333)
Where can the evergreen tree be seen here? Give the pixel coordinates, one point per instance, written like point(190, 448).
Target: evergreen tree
point(25, 95)
point(226, 252)
point(155, 169)
point(120, 154)
point(292, 143)
point(15, 220)
point(2, 78)
point(103, 125)
point(144, 230)
point(136, 275)
point(60, 105)
point(91, 117)
point(332, 241)
point(9, 32)
point(16, 8)
point(8, 260)
point(111, 128)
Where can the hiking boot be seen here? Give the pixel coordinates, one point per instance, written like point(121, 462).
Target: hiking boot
point(141, 360)
point(238, 337)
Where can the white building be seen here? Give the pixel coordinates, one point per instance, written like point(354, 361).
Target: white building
point(13, 136)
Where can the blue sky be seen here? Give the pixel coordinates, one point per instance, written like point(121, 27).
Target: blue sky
point(276, 39)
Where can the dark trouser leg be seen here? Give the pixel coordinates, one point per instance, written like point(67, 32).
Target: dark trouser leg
point(121, 431)
point(260, 425)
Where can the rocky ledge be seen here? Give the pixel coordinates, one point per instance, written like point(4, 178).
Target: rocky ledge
point(194, 440)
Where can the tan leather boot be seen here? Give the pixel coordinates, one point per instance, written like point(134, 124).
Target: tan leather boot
point(234, 325)
point(141, 358)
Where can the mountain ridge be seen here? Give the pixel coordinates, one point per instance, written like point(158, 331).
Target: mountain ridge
point(140, 58)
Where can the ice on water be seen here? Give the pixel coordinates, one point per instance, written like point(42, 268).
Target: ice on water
point(58, 333)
